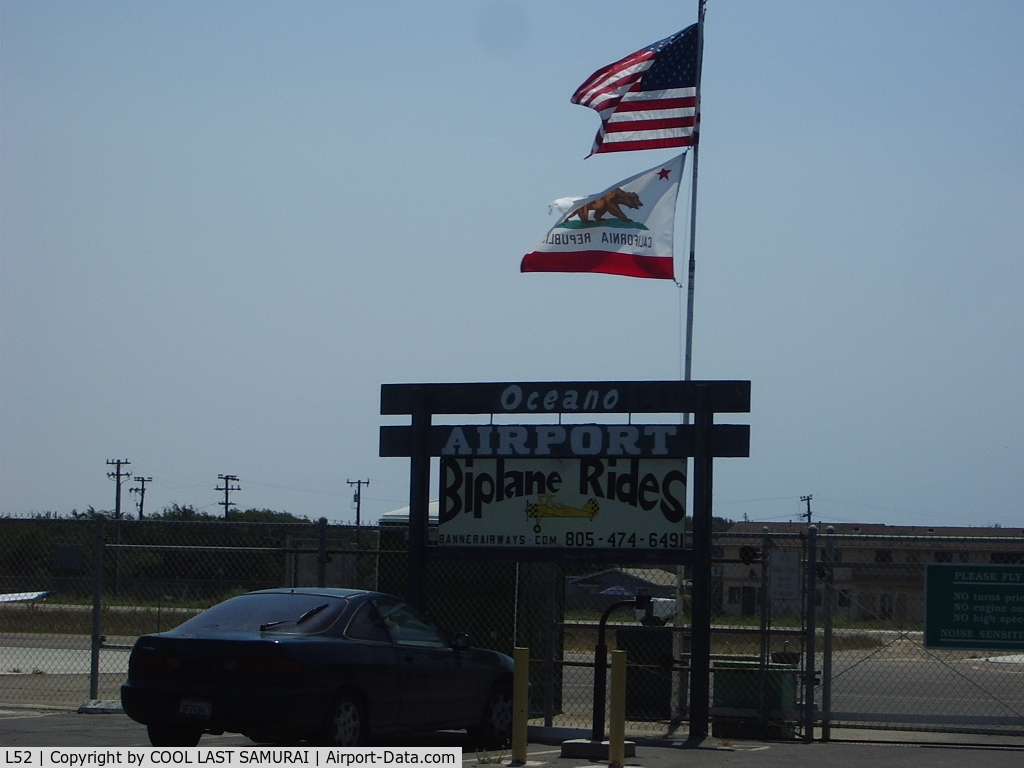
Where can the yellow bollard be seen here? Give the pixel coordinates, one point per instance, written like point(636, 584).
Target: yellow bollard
point(520, 704)
point(617, 712)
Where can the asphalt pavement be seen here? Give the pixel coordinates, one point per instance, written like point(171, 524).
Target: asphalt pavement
point(850, 749)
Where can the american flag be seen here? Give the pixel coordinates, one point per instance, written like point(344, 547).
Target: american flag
point(647, 100)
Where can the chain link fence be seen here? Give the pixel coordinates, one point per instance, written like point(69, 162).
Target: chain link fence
point(810, 632)
point(840, 616)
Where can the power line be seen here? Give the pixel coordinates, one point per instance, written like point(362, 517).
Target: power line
point(294, 488)
point(753, 501)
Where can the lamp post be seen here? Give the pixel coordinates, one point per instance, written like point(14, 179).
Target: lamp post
point(642, 602)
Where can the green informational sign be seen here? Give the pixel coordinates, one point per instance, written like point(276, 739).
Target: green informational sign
point(974, 606)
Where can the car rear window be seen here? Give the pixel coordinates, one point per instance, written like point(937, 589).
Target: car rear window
point(281, 612)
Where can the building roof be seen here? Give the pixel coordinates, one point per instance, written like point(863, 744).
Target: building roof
point(397, 516)
point(651, 575)
point(878, 529)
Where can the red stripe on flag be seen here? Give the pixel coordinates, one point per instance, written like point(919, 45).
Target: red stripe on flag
point(654, 124)
point(602, 262)
point(628, 146)
point(651, 105)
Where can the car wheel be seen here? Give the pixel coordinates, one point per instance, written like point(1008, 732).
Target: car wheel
point(346, 724)
point(495, 728)
point(171, 735)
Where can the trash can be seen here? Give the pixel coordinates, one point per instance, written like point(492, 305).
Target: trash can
point(738, 688)
point(649, 660)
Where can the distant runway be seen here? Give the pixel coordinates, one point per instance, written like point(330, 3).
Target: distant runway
point(59, 655)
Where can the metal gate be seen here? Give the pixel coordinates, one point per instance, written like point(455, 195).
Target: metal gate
point(857, 625)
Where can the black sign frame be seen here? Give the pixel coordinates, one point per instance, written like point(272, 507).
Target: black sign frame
point(422, 440)
point(556, 397)
point(702, 399)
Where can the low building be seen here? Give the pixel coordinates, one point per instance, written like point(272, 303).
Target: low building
point(878, 571)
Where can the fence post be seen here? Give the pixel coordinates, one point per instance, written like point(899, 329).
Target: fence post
point(617, 718)
point(289, 560)
point(97, 607)
point(419, 504)
point(551, 620)
point(765, 607)
point(700, 610)
point(826, 660)
point(811, 583)
point(321, 555)
point(520, 705)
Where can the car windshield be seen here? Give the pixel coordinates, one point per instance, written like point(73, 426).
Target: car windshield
point(284, 612)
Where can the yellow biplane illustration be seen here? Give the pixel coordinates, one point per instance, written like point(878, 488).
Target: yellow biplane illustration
point(545, 506)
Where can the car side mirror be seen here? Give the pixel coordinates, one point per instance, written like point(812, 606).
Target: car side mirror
point(462, 642)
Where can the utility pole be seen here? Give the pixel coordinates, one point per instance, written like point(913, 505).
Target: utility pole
point(141, 490)
point(227, 489)
point(357, 497)
point(118, 476)
point(807, 500)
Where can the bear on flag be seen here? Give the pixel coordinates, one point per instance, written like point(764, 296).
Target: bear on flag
point(624, 230)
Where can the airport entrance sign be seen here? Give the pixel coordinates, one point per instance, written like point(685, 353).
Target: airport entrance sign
point(572, 486)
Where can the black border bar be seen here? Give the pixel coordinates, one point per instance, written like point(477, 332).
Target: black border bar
point(585, 397)
point(727, 441)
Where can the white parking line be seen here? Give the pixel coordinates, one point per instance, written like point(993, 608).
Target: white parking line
point(13, 714)
point(474, 757)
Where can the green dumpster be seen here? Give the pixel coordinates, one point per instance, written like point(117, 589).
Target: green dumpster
point(738, 689)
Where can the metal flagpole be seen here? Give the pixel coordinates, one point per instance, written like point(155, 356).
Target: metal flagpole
point(688, 353)
point(700, 594)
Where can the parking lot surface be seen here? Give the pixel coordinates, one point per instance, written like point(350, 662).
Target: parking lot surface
point(63, 728)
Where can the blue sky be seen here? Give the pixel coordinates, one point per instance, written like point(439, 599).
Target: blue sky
point(224, 225)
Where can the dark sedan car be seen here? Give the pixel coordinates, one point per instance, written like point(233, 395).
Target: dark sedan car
point(335, 666)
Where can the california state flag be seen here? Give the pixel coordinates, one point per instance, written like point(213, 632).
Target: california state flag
point(625, 230)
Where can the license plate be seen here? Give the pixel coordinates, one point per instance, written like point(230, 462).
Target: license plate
point(197, 708)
